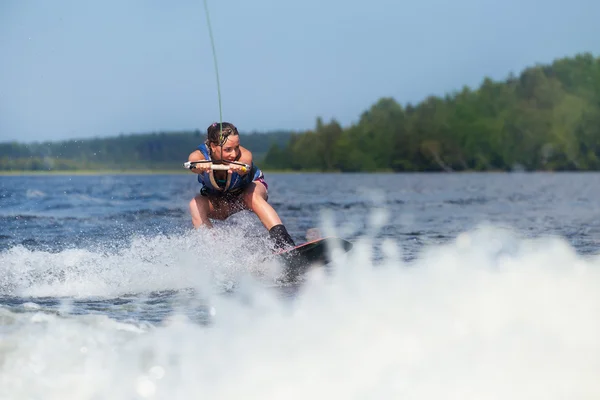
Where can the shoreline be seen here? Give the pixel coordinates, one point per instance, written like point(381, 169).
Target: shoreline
point(266, 171)
point(91, 172)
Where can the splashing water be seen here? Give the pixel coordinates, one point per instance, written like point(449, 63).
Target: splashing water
point(489, 315)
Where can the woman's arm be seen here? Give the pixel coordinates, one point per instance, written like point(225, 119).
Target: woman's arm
point(196, 156)
point(202, 167)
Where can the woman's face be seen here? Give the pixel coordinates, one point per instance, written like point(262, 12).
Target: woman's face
point(231, 149)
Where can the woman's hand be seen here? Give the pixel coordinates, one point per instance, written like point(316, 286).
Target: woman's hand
point(202, 167)
point(239, 169)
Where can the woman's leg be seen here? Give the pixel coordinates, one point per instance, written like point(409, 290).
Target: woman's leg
point(199, 208)
point(203, 208)
point(255, 199)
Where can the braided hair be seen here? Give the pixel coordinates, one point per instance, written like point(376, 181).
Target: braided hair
point(217, 133)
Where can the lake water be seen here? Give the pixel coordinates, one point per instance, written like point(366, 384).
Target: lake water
point(459, 286)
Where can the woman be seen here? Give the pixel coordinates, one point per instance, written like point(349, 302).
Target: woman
point(224, 193)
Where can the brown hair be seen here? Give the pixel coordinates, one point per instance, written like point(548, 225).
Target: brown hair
point(217, 135)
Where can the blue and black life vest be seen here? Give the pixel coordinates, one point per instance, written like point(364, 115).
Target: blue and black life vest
point(233, 185)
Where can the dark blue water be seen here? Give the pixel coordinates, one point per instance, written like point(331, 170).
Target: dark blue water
point(57, 212)
point(465, 286)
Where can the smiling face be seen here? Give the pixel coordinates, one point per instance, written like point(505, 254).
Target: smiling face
point(230, 150)
point(225, 143)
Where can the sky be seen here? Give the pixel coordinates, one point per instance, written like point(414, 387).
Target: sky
point(73, 69)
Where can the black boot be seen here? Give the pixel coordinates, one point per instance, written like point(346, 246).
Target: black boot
point(282, 238)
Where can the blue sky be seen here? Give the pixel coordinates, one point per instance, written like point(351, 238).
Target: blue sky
point(79, 69)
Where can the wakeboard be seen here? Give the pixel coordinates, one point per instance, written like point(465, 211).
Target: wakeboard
point(299, 259)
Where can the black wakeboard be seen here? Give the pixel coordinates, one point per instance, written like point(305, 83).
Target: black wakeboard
point(299, 259)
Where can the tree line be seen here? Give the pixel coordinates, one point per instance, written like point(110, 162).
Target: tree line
point(547, 118)
point(161, 150)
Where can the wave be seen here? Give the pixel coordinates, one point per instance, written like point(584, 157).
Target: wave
point(489, 314)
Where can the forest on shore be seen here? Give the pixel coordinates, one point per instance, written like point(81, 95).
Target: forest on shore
point(547, 118)
point(131, 152)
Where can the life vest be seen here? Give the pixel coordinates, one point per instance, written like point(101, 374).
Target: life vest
point(233, 185)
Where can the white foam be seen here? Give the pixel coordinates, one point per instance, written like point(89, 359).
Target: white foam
point(489, 316)
point(195, 260)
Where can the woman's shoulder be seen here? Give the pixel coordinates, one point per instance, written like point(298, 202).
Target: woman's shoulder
point(203, 148)
point(245, 155)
